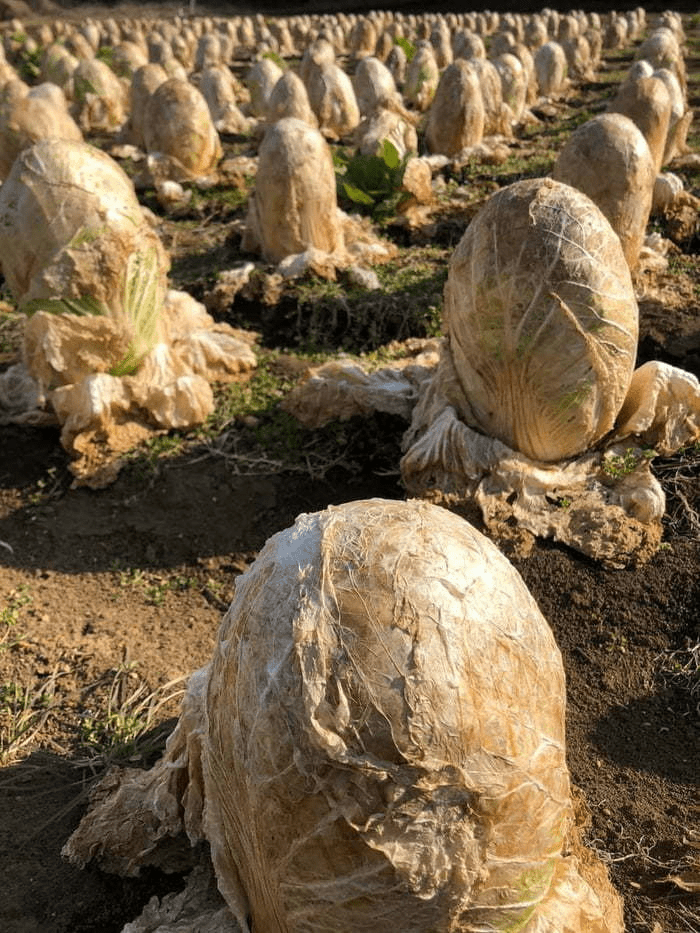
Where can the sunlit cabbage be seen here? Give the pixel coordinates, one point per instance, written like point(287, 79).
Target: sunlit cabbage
point(100, 100)
point(332, 99)
point(178, 125)
point(260, 81)
point(609, 160)
point(550, 69)
point(289, 98)
point(27, 115)
point(144, 82)
point(294, 205)
point(456, 116)
point(422, 77)
point(542, 321)
point(377, 744)
point(73, 239)
point(647, 102)
point(218, 88)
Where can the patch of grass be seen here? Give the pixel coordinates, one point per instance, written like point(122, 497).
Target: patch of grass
point(29, 64)
point(10, 616)
point(11, 331)
point(277, 59)
point(222, 198)
point(251, 399)
point(120, 728)
point(479, 175)
point(24, 711)
point(316, 316)
point(408, 47)
point(153, 586)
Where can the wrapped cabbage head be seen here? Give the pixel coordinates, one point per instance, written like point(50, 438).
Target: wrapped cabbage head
point(74, 240)
point(294, 205)
point(542, 321)
point(178, 126)
point(381, 732)
point(27, 115)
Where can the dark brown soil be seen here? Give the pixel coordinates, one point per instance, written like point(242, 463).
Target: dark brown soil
point(137, 575)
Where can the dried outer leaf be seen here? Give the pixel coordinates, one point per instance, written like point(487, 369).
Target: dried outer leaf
point(662, 408)
point(342, 388)
point(198, 908)
point(72, 359)
point(575, 502)
point(133, 813)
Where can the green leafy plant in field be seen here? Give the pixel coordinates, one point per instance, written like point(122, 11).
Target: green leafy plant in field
point(105, 54)
point(29, 64)
point(408, 47)
point(373, 183)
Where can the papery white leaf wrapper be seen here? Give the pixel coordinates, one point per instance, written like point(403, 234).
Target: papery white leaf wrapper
point(382, 739)
point(611, 515)
point(342, 388)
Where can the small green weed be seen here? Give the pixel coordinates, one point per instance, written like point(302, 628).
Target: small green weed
point(616, 466)
point(277, 59)
point(48, 487)
point(153, 586)
point(29, 64)
point(105, 54)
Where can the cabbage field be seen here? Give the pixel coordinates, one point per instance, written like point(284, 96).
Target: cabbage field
point(253, 267)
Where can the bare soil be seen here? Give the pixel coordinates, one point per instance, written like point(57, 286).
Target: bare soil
point(108, 592)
